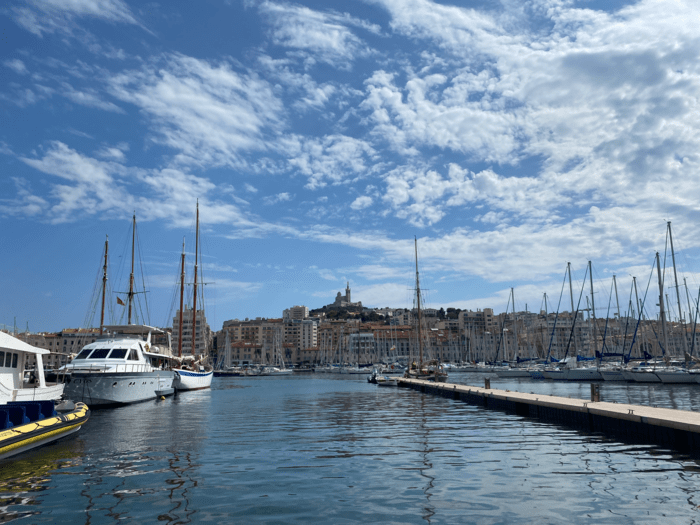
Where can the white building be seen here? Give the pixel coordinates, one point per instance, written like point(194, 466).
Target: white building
point(295, 312)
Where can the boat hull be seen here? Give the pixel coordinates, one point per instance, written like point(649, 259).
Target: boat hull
point(25, 437)
point(191, 380)
point(513, 372)
point(584, 374)
point(117, 388)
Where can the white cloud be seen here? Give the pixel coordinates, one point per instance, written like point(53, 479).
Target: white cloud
point(90, 187)
point(275, 199)
point(89, 98)
point(335, 158)
point(17, 66)
point(320, 36)
point(208, 113)
point(361, 202)
point(49, 16)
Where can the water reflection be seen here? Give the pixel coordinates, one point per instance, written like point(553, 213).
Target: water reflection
point(26, 477)
point(324, 450)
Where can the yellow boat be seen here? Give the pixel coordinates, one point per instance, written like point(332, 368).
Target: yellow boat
point(30, 424)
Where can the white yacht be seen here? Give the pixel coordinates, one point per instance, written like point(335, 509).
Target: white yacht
point(120, 368)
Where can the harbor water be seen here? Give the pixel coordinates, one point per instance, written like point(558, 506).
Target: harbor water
point(315, 448)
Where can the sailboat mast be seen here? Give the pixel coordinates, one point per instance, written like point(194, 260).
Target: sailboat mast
point(678, 294)
point(131, 277)
point(182, 295)
point(420, 337)
point(104, 287)
point(595, 333)
point(194, 296)
point(516, 350)
point(662, 312)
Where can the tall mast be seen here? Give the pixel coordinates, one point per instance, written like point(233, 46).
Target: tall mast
point(678, 294)
point(595, 334)
point(182, 295)
point(420, 337)
point(662, 312)
point(104, 287)
point(131, 277)
point(194, 297)
point(515, 327)
point(574, 314)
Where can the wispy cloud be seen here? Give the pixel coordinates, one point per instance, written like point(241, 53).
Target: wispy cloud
point(50, 16)
point(207, 112)
point(320, 36)
point(17, 66)
point(275, 199)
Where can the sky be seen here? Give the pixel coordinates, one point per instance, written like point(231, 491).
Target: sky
point(321, 138)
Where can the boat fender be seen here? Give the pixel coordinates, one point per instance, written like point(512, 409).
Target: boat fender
point(162, 398)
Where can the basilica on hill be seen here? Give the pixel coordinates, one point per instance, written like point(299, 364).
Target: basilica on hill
point(343, 302)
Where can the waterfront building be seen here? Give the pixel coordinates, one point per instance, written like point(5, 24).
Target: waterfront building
point(202, 333)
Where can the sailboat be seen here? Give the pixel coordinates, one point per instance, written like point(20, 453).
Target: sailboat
point(194, 373)
point(430, 370)
point(123, 366)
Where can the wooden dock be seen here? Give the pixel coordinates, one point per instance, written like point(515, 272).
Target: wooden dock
point(678, 429)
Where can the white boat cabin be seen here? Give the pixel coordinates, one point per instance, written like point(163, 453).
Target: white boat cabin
point(124, 351)
point(14, 355)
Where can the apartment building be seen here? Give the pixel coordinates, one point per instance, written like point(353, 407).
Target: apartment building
point(202, 333)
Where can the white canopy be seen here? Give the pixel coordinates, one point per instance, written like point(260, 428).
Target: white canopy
point(7, 342)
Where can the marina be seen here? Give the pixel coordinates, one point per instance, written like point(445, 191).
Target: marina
point(322, 448)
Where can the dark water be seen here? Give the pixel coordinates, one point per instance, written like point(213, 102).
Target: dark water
point(334, 449)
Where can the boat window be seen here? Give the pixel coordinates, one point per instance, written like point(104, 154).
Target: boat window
point(8, 360)
point(118, 353)
point(100, 353)
point(14, 360)
point(2, 358)
point(84, 353)
point(133, 355)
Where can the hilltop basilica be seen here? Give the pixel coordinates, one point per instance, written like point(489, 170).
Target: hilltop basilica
point(343, 302)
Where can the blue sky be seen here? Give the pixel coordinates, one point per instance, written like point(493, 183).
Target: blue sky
point(320, 137)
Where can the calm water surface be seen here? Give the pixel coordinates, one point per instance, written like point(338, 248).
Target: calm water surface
point(335, 449)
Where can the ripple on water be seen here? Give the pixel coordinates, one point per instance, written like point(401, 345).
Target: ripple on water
point(320, 450)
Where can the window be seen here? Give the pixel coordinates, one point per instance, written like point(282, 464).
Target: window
point(8, 360)
point(118, 353)
point(133, 355)
point(100, 353)
point(2, 358)
point(84, 353)
point(14, 360)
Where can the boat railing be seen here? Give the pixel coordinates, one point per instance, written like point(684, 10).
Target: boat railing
point(118, 368)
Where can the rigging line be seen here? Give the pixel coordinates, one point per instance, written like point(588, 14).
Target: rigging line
point(573, 323)
point(607, 317)
point(641, 313)
point(500, 335)
point(94, 297)
point(628, 316)
point(695, 322)
point(556, 317)
point(146, 319)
